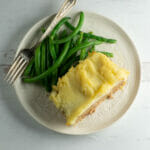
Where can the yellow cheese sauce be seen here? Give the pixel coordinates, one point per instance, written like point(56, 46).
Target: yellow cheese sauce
point(76, 90)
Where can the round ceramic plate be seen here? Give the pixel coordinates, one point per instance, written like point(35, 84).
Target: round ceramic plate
point(36, 101)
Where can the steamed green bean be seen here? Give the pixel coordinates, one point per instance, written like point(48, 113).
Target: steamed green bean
point(91, 36)
point(75, 31)
point(52, 68)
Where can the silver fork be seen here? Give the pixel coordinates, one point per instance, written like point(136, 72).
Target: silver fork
point(22, 59)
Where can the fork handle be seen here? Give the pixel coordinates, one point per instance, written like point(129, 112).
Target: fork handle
point(67, 5)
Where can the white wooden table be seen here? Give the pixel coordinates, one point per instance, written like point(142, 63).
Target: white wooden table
point(19, 131)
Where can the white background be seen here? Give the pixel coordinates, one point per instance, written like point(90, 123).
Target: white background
point(19, 131)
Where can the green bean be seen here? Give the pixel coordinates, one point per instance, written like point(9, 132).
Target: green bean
point(52, 49)
point(99, 38)
point(91, 36)
point(47, 79)
point(56, 45)
point(52, 68)
point(54, 77)
point(83, 54)
point(52, 35)
point(76, 30)
point(48, 53)
point(38, 60)
point(92, 48)
point(108, 54)
point(43, 57)
point(33, 71)
point(83, 51)
point(53, 54)
point(29, 67)
point(80, 38)
point(63, 33)
point(56, 28)
point(57, 49)
point(74, 41)
point(72, 44)
point(81, 46)
point(70, 26)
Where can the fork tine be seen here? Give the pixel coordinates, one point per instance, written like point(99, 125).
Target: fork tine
point(18, 72)
point(14, 70)
point(22, 70)
point(12, 67)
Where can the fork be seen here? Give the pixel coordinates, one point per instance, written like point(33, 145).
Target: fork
point(22, 59)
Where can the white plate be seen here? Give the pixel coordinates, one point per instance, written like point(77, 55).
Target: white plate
point(35, 100)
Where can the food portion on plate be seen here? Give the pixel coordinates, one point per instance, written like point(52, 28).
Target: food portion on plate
point(77, 76)
point(85, 86)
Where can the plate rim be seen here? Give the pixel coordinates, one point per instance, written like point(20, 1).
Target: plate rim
point(138, 64)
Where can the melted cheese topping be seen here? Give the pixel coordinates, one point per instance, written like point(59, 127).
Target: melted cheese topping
point(78, 88)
